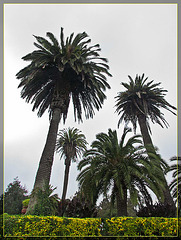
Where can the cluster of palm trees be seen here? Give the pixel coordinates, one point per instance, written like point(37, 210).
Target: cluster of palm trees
point(120, 166)
point(73, 70)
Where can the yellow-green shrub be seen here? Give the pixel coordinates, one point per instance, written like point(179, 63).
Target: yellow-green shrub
point(27, 225)
point(130, 226)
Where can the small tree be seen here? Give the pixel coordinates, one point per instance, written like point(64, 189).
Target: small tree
point(13, 197)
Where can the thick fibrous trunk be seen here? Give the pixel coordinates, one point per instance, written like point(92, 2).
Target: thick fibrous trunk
point(150, 148)
point(122, 203)
point(46, 161)
point(65, 185)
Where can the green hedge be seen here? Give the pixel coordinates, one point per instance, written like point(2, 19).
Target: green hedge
point(27, 225)
point(129, 226)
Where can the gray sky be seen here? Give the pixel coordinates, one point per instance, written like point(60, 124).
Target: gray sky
point(135, 38)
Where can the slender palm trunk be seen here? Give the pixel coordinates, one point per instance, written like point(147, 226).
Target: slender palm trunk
point(46, 161)
point(65, 185)
point(122, 203)
point(145, 134)
point(150, 148)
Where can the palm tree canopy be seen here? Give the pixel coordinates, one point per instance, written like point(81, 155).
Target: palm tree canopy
point(60, 71)
point(111, 163)
point(142, 97)
point(71, 143)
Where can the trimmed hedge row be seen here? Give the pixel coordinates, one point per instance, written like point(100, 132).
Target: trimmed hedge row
point(27, 225)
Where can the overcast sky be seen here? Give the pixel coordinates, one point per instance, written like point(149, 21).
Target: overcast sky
point(135, 38)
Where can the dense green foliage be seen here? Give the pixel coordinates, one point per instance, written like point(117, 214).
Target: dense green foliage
point(175, 185)
point(47, 202)
point(155, 210)
point(71, 143)
point(56, 226)
point(80, 207)
point(60, 71)
point(13, 197)
point(119, 166)
point(142, 98)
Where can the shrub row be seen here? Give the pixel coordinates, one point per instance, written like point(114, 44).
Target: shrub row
point(27, 225)
point(153, 226)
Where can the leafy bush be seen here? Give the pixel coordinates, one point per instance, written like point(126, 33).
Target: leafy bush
point(26, 225)
point(80, 207)
point(156, 210)
point(47, 202)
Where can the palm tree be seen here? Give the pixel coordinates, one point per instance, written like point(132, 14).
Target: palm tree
point(140, 102)
point(58, 73)
point(175, 185)
point(71, 144)
point(118, 166)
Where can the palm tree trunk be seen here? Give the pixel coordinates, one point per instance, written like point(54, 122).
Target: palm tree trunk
point(46, 161)
point(122, 203)
point(150, 148)
point(65, 185)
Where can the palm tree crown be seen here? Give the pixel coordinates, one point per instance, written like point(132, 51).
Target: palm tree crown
point(119, 166)
point(58, 72)
point(142, 98)
point(71, 143)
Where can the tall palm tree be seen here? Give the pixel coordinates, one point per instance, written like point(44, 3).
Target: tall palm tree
point(58, 73)
point(119, 166)
point(70, 145)
point(175, 185)
point(141, 102)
